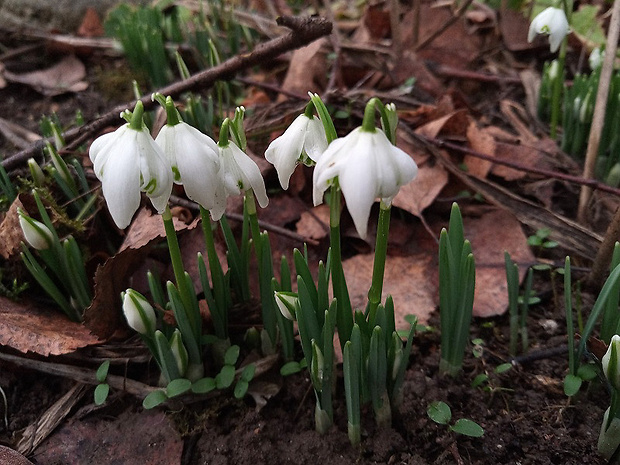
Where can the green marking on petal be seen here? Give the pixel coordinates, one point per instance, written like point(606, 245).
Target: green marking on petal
point(177, 174)
point(151, 186)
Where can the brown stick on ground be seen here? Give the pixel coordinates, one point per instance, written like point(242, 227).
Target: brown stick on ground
point(304, 30)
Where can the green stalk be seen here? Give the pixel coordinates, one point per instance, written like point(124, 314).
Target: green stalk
point(568, 307)
point(378, 269)
point(344, 319)
point(556, 95)
point(217, 275)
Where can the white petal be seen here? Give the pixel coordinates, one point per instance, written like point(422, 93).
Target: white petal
point(327, 168)
point(315, 142)
point(284, 151)
point(121, 183)
point(195, 157)
point(155, 170)
point(249, 174)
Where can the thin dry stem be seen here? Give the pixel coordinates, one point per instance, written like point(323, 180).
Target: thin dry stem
point(600, 107)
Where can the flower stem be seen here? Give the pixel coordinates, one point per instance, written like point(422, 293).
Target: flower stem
point(556, 94)
point(378, 269)
point(250, 208)
point(175, 257)
point(344, 319)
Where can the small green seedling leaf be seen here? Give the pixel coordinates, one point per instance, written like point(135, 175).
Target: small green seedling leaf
point(439, 412)
point(467, 428)
point(479, 380)
point(503, 368)
point(232, 354)
point(225, 377)
point(102, 371)
point(178, 386)
point(248, 373)
point(291, 368)
point(154, 399)
point(587, 372)
point(240, 389)
point(572, 384)
point(101, 393)
point(203, 385)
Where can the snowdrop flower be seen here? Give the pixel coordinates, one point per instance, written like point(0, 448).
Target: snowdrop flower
point(304, 139)
point(367, 166)
point(139, 313)
point(238, 172)
point(551, 21)
point(128, 161)
point(596, 58)
point(193, 157)
point(611, 362)
point(36, 233)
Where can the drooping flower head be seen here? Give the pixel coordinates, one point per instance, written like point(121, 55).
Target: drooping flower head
point(551, 21)
point(192, 155)
point(367, 166)
point(128, 161)
point(238, 172)
point(304, 141)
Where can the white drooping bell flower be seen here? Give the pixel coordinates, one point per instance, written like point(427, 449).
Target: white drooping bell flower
point(611, 362)
point(551, 21)
point(596, 58)
point(37, 234)
point(368, 167)
point(239, 173)
point(304, 141)
point(128, 161)
point(193, 157)
point(139, 313)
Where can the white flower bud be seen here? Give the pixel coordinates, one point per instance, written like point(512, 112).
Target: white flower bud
point(287, 303)
point(37, 235)
point(611, 362)
point(139, 313)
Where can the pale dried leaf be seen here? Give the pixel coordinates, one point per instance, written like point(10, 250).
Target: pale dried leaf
point(480, 140)
point(409, 280)
point(493, 233)
point(314, 223)
point(306, 71)
point(452, 124)
point(65, 76)
point(28, 327)
point(422, 191)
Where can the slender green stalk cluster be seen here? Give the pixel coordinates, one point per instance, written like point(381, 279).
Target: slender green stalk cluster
point(62, 275)
point(457, 278)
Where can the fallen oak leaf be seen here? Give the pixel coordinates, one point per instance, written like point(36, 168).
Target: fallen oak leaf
point(29, 327)
point(65, 76)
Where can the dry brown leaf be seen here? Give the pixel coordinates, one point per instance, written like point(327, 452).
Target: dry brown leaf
point(407, 280)
point(416, 196)
point(103, 317)
point(314, 223)
point(91, 24)
point(481, 141)
point(10, 231)
point(451, 125)
point(306, 71)
point(514, 27)
point(146, 227)
point(28, 327)
point(493, 233)
point(65, 76)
